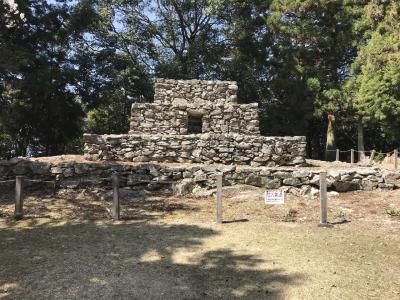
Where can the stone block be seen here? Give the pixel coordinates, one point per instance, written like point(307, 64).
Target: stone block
point(56, 170)
point(292, 181)
point(346, 186)
point(271, 183)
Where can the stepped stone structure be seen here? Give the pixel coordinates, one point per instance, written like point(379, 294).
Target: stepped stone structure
point(196, 121)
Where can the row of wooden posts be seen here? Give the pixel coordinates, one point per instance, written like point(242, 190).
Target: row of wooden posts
point(19, 197)
point(371, 158)
point(115, 210)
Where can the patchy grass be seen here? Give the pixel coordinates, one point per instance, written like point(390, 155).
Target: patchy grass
point(393, 212)
point(66, 247)
point(291, 215)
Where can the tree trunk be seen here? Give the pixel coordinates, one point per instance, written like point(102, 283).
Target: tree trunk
point(330, 148)
point(360, 140)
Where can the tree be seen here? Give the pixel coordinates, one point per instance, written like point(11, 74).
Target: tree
point(374, 87)
point(186, 38)
point(38, 108)
point(246, 43)
point(62, 60)
point(112, 54)
point(10, 13)
point(314, 45)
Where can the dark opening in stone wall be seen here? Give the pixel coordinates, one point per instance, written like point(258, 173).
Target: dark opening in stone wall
point(195, 124)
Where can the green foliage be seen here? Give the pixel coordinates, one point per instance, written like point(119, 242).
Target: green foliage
point(246, 47)
point(374, 88)
point(291, 215)
point(7, 145)
point(111, 116)
point(313, 45)
point(393, 212)
point(379, 157)
point(113, 51)
point(300, 60)
point(38, 108)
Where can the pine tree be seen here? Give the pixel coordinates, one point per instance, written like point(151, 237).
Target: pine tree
point(374, 87)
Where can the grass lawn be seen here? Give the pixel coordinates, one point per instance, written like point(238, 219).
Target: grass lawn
point(169, 248)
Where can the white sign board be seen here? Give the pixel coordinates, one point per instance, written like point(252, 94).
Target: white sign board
point(275, 197)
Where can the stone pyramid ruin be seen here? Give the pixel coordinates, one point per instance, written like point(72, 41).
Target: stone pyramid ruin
point(196, 121)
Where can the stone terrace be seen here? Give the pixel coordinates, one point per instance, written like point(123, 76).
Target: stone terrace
point(75, 171)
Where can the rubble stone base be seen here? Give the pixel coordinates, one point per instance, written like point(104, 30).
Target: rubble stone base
point(204, 148)
point(188, 178)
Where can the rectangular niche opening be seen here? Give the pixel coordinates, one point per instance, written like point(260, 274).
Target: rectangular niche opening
point(195, 124)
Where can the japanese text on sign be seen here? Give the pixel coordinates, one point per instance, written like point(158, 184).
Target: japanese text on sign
point(275, 197)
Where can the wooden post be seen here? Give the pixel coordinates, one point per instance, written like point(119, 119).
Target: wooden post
point(352, 156)
point(219, 198)
point(361, 155)
point(396, 155)
point(337, 154)
point(115, 204)
point(19, 198)
point(323, 200)
point(371, 159)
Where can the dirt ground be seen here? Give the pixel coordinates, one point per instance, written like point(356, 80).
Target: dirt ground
point(67, 247)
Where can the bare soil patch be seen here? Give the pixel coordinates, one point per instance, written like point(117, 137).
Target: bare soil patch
point(169, 248)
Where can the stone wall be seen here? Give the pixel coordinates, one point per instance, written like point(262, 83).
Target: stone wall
point(194, 91)
point(199, 179)
point(205, 148)
point(158, 118)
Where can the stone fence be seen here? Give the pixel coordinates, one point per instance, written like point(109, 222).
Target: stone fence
point(199, 179)
point(204, 148)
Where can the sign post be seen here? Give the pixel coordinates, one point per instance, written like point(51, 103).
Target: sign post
point(371, 159)
point(19, 198)
point(275, 197)
point(352, 156)
point(219, 199)
point(323, 200)
point(115, 203)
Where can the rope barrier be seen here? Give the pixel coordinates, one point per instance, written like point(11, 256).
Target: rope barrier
point(385, 153)
point(55, 182)
point(7, 181)
point(366, 151)
point(38, 180)
point(94, 181)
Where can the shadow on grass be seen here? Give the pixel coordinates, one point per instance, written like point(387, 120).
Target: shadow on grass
point(339, 222)
point(70, 204)
point(235, 221)
point(138, 260)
